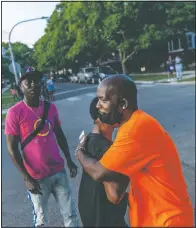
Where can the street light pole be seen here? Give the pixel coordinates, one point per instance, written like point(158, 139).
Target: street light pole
point(10, 46)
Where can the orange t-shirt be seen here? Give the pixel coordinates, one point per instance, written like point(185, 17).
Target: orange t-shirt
point(145, 153)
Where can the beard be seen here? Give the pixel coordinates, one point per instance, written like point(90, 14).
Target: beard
point(111, 118)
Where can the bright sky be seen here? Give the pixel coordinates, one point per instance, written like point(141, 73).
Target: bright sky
point(28, 32)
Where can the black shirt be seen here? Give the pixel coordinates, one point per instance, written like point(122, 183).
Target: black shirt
point(94, 207)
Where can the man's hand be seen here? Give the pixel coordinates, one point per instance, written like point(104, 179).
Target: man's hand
point(33, 185)
point(72, 168)
point(80, 147)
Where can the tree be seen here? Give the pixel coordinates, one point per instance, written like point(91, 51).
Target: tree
point(123, 26)
point(4, 69)
point(22, 54)
point(180, 17)
point(89, 31)
point(51, 49)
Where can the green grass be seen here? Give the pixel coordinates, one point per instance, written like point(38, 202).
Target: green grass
point(7, 100)
point(3, 117)
point(188, 80)
point(149, 77)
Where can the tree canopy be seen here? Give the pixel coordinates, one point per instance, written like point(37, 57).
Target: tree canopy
point(80, 32)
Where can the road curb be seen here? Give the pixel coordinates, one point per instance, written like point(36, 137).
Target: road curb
point(163, 82)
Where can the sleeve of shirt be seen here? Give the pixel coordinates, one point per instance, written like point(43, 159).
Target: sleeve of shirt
point(126, 156)
point(11, 123)
point(57, 121)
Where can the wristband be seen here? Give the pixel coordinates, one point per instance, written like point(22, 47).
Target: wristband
point(82, 148)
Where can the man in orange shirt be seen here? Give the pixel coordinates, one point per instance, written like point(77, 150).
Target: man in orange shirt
point(145, 153)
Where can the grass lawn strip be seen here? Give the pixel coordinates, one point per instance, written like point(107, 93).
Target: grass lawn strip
point(7, 100)
point(3, 117)
point(188, 80)
point(149, 77)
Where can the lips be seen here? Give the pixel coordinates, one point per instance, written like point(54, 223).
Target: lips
point(33, 91)
point(100, 112)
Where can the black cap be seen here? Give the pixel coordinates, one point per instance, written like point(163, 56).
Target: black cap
point(31, 74)
point(93, 110)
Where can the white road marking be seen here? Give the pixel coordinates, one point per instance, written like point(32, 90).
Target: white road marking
point(90, 94)
point(73, 99)
point(146, 85)
point(74, 90)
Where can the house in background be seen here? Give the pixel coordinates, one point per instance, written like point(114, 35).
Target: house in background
point(183, 46)
point(155, 57)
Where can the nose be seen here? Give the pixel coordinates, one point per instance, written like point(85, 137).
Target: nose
point(98, 105)
point(32, 83)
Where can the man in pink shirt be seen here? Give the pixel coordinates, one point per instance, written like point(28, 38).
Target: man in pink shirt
point(40, 164)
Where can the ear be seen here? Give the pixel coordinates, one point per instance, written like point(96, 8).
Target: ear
point(124, 103)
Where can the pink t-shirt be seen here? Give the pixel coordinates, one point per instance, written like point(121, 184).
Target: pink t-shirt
point(41, 156)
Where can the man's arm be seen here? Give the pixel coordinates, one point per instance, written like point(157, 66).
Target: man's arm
point(62, 142)
point(115, 191)
point(95, 169)
point(115, 183)
point(12, 145)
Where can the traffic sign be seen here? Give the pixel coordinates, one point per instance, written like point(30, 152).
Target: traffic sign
point(17, 66)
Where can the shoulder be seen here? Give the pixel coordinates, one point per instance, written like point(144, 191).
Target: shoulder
point(52, 106)
point(17, 108)
point(138, 125)
point(53, 109)
point(96, 145)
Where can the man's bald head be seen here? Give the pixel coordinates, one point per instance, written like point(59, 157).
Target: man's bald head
point(122, 87)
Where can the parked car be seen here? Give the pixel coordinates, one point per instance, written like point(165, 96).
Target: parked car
point(86, 75)
point(94, 74)
point(102, 72)
point(61, 78)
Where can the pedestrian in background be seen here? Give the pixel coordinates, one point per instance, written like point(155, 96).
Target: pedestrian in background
point(178, 67)
point(44, 91)
point(13, 92)
point(50, 88)
point(170, 67)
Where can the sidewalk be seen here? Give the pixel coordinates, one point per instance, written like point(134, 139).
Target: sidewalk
point(186, 75)
point(190, 72)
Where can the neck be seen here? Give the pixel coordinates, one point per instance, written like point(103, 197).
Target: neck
point(127, 115)
point(32, 102)
point(106, 134)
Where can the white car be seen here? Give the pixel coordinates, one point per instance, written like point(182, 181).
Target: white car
point(86, 75)
point(73, 79)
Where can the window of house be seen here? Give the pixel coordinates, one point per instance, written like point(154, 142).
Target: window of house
point(190, 41)
point(176, 44)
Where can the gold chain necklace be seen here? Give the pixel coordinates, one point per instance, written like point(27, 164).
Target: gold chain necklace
point(38, 116)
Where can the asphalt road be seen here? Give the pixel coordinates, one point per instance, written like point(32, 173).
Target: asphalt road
point(172, 105)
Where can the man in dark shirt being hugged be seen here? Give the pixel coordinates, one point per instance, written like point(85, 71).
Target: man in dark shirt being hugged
point(99, 202)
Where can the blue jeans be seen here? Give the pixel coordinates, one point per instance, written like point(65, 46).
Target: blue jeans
point(178, 70)
point(58, 185)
